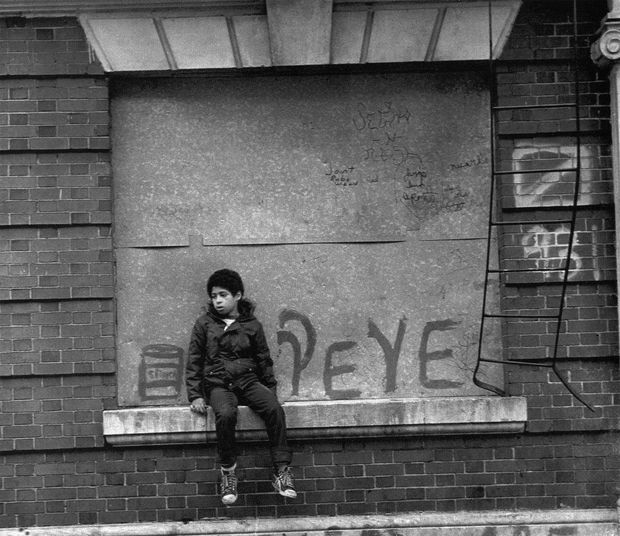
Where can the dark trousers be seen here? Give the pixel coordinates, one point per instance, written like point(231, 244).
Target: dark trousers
point(261, 400)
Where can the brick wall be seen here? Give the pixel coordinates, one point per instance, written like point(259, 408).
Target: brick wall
point(56, 276)
point(543, 73)
point(350, 477)
point(57, 326)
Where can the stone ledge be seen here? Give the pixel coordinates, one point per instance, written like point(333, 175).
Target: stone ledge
point(157, 425)
point(596, 522)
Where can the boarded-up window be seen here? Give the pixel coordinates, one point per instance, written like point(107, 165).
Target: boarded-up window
point(354, 206)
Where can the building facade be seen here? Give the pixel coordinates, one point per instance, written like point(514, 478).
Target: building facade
point(340, 156)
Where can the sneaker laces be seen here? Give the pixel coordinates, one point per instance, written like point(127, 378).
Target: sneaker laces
point(229, 483)
point(283, 483)
point(286, 478)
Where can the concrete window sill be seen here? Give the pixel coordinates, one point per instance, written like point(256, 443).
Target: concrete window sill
point(156, 425)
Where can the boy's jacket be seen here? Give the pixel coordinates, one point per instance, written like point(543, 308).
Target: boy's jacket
point(233, 358)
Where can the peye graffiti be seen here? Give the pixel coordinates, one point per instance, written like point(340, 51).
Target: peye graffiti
point(390, 355)
point(162, 365)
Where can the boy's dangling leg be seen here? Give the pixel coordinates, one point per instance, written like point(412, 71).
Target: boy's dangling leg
point(264, 402)
point(224, 404)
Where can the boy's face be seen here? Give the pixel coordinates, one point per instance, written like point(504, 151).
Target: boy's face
point(224, 302)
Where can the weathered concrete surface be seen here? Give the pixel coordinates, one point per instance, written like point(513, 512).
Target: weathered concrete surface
point(603, 522)
point(174, 424)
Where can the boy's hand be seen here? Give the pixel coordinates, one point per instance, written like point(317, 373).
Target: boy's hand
point(198, 405)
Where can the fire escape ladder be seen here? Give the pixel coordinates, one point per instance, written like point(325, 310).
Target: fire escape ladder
point(499, 219)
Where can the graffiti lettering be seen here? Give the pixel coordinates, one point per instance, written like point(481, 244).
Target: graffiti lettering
point(390, 353)
point(545, 246)
point(299, 362)
point(161, 367)
point(478, 160)
point(554, 186)
point(342, 177)
point(330, 371)
point(426, 357)
point(161, 371)
point(424, 201)
point(384, 117)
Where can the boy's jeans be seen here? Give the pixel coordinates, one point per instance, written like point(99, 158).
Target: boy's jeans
point(262, 401)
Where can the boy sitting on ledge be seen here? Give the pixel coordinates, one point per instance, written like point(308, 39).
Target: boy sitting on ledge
point(229, 364)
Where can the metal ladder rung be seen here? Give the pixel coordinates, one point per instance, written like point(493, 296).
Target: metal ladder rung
point(523, 270)
point(499, 315)
point(534, 106)
point(529, 222)
point(515, 362)
point(533, 171)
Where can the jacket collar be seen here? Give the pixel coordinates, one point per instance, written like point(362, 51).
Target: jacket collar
point(246, 312)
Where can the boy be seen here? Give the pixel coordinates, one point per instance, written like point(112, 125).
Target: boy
point(229, 364)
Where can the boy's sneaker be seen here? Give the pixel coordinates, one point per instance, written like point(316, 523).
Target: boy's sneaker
point(228, 486)
point(283, 483)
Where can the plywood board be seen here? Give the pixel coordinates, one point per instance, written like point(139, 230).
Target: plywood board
point(342, 321)
point(300, 159)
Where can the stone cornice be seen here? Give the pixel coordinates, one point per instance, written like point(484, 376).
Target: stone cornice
point(58, 8)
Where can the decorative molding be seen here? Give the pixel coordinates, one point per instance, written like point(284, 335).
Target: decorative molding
point(606, 49)
point(63, 8)
point(326, 418)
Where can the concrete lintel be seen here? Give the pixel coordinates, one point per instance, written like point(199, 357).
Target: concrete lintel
point(595, 522)
point(333, 418)
point(299, 31)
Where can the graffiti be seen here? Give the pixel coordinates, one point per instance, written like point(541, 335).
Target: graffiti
point(425, 201)
point(342, 177)
point(388, 151)
point(547, 246)
point(330, 371)
point(391, 354)
point(554, 185)
point(161, 371)
point(161, 365)
point(478, 160)
point(387, 116)
point(299, 362)
point(427, 357)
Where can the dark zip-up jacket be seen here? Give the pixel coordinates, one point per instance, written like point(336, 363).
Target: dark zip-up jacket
point(233, 357)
